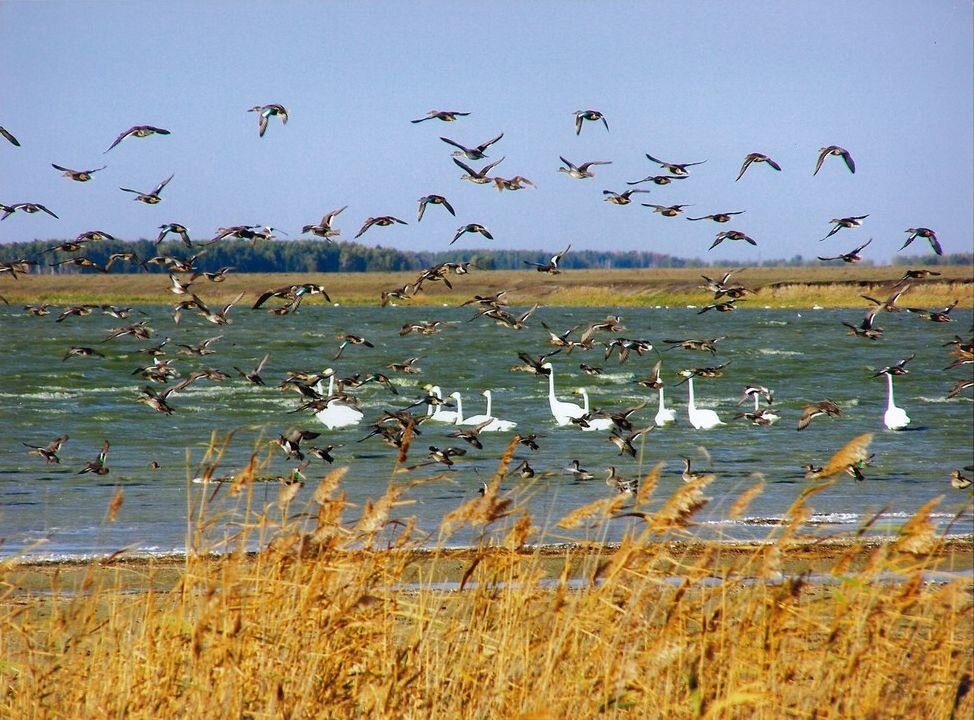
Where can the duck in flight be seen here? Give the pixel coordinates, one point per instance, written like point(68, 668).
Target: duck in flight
point(551, 267)
point(721, 217)
point(846, 222)
point(324, 228)
point(150, 198)
point(140, 131)
point(471, 228)
point(925, 233)
point(852, 256)
point(580, 171)
point(623, 198)
point(266, 111)
point(674, 168)
point(28, 207)
point(50, 451)
point(434, 200)
point(474, 153)
point(77, 175)
point(753, 158)
point(590, 116)
point(731, 235)
point(442, 115)
point(823, 153)
point(666, 210)
point(381, 221)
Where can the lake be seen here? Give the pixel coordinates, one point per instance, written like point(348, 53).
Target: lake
point(52, 511)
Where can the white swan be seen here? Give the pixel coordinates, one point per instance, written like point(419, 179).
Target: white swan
point(437, 413)
point(337, 414)
point(701, 419)
point(895, 417)
point(664, 416)
point(768, 417)
point(496, 425)
point(563, 412)
point(593, 423)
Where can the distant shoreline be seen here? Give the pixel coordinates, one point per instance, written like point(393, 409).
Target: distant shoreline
point(777, 287)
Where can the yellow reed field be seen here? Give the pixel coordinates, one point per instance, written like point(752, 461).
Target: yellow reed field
point(777, 287)
point(344, 615)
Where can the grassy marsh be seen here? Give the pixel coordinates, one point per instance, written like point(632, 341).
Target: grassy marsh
point(344, 613)
point(779, 287)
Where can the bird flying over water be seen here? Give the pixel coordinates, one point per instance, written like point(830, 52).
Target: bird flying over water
point(925, 233)
point(850, 257)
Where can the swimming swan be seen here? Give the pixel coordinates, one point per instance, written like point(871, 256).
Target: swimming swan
point(437, 413)
point(563, 412)
point(337, 414)
point(496, 425)
point(664, 416)
point(593, 423)
point(895, 418)
point(701, 419)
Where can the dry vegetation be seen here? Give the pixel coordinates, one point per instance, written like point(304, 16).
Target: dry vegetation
point(342, 617)
point(779, 287)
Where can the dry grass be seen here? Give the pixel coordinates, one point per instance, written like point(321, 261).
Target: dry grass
point(340, 616)
point(779, 287)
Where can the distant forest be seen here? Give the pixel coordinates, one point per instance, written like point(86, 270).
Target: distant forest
point(298, 256)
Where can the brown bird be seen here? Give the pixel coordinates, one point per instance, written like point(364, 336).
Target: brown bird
point(551, 267)
point(98, 465)
point(78, 175)
point(474, 153)
point(433, 200)
point(927, 234)
point(849, 257)
point(753, 158)
point(834, 150)
point(442, 115)
point(580, 171)
point(846, 222)
point(666, 210)
point(254, 375)
point(381, 221)
point(718, 217)
point(623, 198)
point(150, 198)
point(813, 410)
point(674, 168)
point(28, 207)
point(138, 131)
point(589, 115)
point(471, 228)
point(324, 228)
point(731, 235)
point(48, 452)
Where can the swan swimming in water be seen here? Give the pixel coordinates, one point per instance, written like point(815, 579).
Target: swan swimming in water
point(664, 416)
point(895, 418)
point(437, 413)
point(563, 412)
point(496, 424)
point(701, 419)
point(599, 423)
point(337, 414)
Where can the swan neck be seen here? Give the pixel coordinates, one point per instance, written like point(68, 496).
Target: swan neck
point(889, 382)
point(487, 395)
point(690, 390)
point(459, 409)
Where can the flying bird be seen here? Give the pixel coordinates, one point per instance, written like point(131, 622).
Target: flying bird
point(434, 200)
point(718, 217)
point(925, 233)
point(324, 228)
point(138, 131)
point(674, 168)
point(580, 171)
point(846, 222)
point(9, 136)
point(551, 267)
point(27, 207)
point(443, 115)
point(835, 150)
point(591, 116)
point(731, 235)
point(150, 198)
point(753, 158)
point(472, 228)
point(381, 221)
point(474, 153)
point(849, 257)
point(78, 175)
point(266, 111)
point(623, 198)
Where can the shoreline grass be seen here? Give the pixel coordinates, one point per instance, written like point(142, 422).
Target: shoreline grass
point(349, 617)
point(782, 287)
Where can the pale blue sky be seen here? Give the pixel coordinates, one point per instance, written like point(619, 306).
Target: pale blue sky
point(890, 81)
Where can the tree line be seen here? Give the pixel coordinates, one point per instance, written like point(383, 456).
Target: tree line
point(315, 256)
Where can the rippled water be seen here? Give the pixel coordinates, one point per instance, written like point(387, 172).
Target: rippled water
point(51, 510)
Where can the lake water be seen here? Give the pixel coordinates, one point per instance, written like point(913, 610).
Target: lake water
point(51, 511)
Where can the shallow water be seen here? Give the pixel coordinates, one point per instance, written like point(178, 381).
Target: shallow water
point(51, 510)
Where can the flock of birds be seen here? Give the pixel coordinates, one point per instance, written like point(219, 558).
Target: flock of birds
point(335, 407)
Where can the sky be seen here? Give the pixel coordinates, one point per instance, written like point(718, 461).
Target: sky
point(889, 80)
